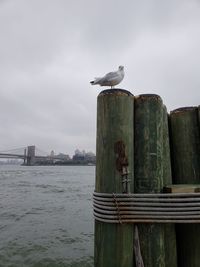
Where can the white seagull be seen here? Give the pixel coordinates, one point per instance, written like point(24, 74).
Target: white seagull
point(111, 78)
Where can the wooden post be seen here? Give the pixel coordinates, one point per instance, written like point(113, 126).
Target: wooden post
point(114, 242)
point(149, 172)
point(169, 229)
point(199, 114)
point(185, 144)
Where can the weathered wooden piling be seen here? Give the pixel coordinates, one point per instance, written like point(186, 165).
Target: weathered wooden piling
point(169, 229)
point(199, 114)
point(185, 142)
point(148, 171)
point(185, 148)
point(152, 170)
point(114, 242)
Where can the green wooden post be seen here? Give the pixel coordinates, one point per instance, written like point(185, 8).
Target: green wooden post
point(170, 233)
point(149, 171)
point(185, 144)
point(113, 242)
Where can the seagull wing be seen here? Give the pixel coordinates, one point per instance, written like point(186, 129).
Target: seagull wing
point(111, 76)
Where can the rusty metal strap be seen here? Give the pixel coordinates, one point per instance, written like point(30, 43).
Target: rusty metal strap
point(147, 208)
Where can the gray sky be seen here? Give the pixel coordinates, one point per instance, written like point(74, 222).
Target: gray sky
point(51, 49)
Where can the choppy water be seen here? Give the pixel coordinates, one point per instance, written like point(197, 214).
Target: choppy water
point(46, 216)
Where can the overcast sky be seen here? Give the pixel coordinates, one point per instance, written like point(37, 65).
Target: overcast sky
point(51, 49)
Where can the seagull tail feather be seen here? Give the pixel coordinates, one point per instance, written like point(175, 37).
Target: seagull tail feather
point(96, 81)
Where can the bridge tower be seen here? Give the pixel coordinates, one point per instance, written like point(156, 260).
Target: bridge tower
point(30, 155)
point(25, 156)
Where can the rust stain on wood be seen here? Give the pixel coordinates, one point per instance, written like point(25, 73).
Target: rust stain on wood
point(121, 160)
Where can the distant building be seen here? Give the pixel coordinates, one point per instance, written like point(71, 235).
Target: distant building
point(52, 154)
point(84, 156)
point(77, 152)
point(90, 156)
point(78, 157)
point(63, 156)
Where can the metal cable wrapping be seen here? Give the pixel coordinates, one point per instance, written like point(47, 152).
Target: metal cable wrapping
point(147, 208)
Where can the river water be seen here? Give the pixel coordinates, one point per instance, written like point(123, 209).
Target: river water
point(46, 216)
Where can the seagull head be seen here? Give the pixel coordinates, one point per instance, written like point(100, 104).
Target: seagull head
point(121, 68)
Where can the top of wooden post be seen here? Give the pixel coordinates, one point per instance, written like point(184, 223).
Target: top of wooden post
point(183, 109)
point(116, 91)
point(149, 96)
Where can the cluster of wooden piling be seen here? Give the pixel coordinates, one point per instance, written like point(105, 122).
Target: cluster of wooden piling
point(139, 143)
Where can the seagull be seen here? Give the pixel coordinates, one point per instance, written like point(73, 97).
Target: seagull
point(111, 78)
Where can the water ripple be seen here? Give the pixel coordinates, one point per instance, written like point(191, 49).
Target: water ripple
point(46, 216)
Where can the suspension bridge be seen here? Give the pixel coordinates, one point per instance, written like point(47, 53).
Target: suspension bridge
point(31, 155)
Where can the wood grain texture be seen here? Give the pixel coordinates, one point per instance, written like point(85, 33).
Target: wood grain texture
point(169, 229)
point(149, 171)
point(185, 144)
point(113, 242)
